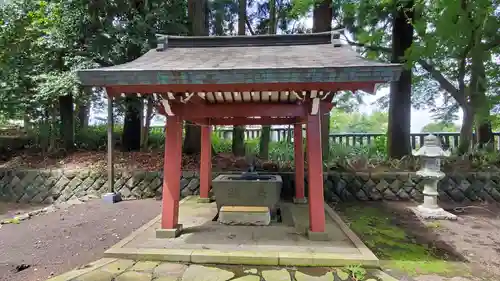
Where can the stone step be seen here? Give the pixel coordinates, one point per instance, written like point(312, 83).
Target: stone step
point(245, 209)
point(245, 215)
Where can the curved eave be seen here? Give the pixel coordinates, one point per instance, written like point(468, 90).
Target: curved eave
point(123, 77)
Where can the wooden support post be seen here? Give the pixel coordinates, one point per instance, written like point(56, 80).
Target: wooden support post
point(298, 143)
point(315, 173)
point(205, 164)
point(170, 227)
point(111, 170)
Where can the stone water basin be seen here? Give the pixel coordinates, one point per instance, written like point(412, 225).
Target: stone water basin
point(253, 190)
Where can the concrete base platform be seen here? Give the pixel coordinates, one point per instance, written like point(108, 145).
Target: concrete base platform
point(204, 200)
point(317, 236)
point(300, 200)
point(206, 241)
point(169, 233)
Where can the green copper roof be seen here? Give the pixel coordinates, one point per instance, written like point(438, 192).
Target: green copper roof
point(244, 59)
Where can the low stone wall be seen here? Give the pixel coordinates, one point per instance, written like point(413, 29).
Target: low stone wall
point(460, 188)
point(47, 186)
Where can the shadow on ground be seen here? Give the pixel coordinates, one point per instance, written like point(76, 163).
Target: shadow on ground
point(401, 241)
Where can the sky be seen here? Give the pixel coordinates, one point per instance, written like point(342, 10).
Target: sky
point(419, 118)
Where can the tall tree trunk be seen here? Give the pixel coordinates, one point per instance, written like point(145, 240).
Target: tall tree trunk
point(466, 129)
point(479, 100)
point(28, 126)
point(83, 108)
point(147, 123)
point(131, 138)
point(197, 14)
point(83, 115)
point(238, 141)
point(53, 128)
point(400, 93)
point(272, 17)
point(219, 18)
point(265, 135)
point(322, 22)
point(43, 138)
point(67, 122)
point(265, 138)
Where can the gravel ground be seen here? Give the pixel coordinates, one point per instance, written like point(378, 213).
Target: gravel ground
point(54, 243)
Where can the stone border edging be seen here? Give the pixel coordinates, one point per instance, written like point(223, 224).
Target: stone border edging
point(365, 251)
point(70, 275)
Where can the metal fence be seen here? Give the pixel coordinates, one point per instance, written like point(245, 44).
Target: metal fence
point(348, 139)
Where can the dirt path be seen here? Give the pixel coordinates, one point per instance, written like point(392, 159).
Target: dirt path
point(60, 241)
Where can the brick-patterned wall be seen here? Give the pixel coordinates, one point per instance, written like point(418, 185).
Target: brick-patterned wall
point(460, 188)
point(47, 186)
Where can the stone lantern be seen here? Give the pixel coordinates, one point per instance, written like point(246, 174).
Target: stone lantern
point(431, 154)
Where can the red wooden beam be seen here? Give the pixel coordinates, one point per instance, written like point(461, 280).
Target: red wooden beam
point(182, 88)
point(195, 111)
point(205, 164)
point(247, 121)
point(298, 143)
point(198, 110)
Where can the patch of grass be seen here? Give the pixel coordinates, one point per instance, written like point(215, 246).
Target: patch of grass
point(357, 272)
point(433, 224)
point(394, 244)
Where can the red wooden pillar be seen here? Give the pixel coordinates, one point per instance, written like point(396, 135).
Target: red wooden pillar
point(205, 164)
point(171, 179)
point(315, 174)
point(298, 142)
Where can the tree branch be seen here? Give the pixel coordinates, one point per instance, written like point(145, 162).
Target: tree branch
point(369, 47)
point(436, 74)
point(443, 82)
point(99, 61)
point(493, 44)
point(249, 26)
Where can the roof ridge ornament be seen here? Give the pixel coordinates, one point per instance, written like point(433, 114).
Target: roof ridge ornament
point(161, 42)
point(335, 40)
point(173, 41)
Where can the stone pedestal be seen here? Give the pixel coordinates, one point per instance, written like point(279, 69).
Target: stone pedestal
point(430, 209)
point(245, 215)
point(112, 197)
point(433, 214)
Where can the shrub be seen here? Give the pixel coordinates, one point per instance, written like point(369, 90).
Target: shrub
point(221, 145)
point(252, 146)
point(281, 151)
point(381, 144)
point(156, 139)
point(95, 137)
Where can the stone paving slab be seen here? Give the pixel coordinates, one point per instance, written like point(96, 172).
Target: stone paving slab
point(207, 241)
point(130, 270)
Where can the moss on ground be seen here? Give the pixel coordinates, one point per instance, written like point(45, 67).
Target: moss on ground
point(394, 245)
